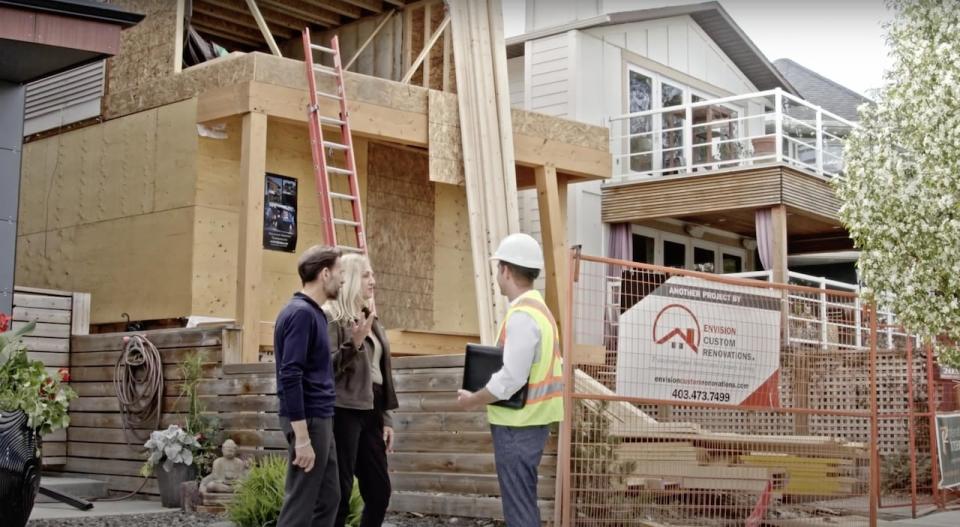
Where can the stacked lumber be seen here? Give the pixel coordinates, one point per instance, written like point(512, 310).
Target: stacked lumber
point(806, 475)
point(57, 314)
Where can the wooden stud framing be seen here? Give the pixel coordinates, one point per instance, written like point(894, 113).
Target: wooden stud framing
point(376, 31)
point(428, 41)
point(779, 267)
point(426, 51)
point(253, 165)
point(262, 24)
point(554, 235)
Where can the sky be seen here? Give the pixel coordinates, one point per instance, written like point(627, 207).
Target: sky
point(842, 40)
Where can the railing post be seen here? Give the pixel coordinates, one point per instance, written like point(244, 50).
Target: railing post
point(823, 313)
point(778, 116)
point(819, 140)
point(688, 138)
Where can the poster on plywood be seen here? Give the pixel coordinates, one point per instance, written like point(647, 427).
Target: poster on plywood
point(693, 340)
point(280, 213)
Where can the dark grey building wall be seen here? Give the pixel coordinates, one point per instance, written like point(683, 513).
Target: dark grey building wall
point(11, 143)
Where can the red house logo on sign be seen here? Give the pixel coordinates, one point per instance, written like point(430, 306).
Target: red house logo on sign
point(680, 328)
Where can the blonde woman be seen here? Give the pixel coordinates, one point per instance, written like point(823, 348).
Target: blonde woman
point(365, 393)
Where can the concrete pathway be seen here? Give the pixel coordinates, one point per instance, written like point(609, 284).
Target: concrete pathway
point(47, 511)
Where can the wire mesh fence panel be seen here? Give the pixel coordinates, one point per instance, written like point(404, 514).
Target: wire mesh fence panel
point(700, 399)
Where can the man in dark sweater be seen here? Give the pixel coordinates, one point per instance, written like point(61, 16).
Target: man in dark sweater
point(306, 390)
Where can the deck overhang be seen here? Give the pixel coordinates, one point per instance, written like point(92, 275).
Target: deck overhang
point(728, 200)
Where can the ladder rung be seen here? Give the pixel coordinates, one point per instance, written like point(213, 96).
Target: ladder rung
point(328, 95)
point(337, 170)
point(324, 69)
point(338, 221)
point(338, 195)
point(318, 47)
point(348, 248)
point(335, 146)
point(331, 120)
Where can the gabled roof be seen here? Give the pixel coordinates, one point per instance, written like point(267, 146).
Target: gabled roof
point(822, 91)
point(710, 16)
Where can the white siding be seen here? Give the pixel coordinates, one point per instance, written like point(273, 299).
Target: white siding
point(549, 76)
point(678, 43)
point(515, 76)
point(64, 98)
point(590, 99)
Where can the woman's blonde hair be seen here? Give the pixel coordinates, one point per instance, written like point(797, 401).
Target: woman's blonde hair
point(349, 303)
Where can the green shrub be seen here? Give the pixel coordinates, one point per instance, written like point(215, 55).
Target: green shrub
point(259, 497)
point(356, 506)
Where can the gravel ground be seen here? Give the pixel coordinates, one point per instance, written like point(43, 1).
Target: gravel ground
point(182, 519)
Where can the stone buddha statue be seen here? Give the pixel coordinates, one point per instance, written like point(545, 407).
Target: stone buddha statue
point(227, 472)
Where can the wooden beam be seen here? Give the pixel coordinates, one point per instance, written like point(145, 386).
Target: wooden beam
point(374, 6)
point(253, 166)
point(80, 318)
point(426, 51)
point(303, 10)
point(427, 44)
point(397, 3)
point(239, 7)
point(262, 24)
point(243, 20)
point(376, 31)
point(554, 236)
point(219, 26)
point(338, 7)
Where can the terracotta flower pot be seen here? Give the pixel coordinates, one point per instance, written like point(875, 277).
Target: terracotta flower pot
point(19, 468)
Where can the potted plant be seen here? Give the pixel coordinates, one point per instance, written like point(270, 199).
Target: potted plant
point(173, 448)
point(32, 403)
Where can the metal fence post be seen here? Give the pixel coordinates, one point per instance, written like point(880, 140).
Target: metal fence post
point(874, 420)
point(562, 506)
point(932, 423)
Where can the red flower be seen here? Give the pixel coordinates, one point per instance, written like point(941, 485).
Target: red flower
point(64, 374)
point(4, 322)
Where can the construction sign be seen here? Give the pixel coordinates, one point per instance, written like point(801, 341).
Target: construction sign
point(693, 340)
point(948, 449)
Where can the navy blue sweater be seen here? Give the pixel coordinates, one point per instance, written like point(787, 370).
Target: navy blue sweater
point(304, 368)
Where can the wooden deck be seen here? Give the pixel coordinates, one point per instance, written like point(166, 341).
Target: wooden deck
point(726, 199)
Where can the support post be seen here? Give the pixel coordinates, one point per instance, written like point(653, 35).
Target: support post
point(778, 217)
point(253, 161)
point(819, 140)
point(688, 138)
point(554, 235)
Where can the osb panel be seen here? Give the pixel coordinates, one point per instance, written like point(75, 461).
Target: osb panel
point(138, 264)
point(453, 264)
point(218, 168)
point(446, 152)
point(560, 130)
point(147, 49)
point(133, 165)
point(400, 225)
point(215, 238)
point(169, 87)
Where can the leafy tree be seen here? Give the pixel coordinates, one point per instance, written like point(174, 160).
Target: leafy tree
point(901, 192)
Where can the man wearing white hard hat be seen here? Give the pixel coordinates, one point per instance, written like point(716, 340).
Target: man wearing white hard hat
point(531, 356)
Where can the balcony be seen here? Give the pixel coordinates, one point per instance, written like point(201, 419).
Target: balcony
point(733, 133)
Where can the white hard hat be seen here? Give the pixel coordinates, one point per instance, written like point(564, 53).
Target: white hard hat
point(520, 249)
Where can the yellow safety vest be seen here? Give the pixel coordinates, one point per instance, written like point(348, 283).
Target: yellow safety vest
point(545, 384)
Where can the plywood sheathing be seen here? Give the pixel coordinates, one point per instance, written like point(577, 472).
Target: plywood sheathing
point(454, 300)
point(486, 131)
point(400, 227)
point(433, 65)
point(418, 36)
point(103, 206)
point(446, 155)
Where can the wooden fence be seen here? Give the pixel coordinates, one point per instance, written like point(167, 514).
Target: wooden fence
point(443, 460)
point(58, 314)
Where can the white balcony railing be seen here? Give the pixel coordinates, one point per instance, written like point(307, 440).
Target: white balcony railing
point(830, 320)
point(744, 130)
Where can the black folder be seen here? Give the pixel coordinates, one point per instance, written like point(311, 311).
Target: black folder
point(480, 363)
